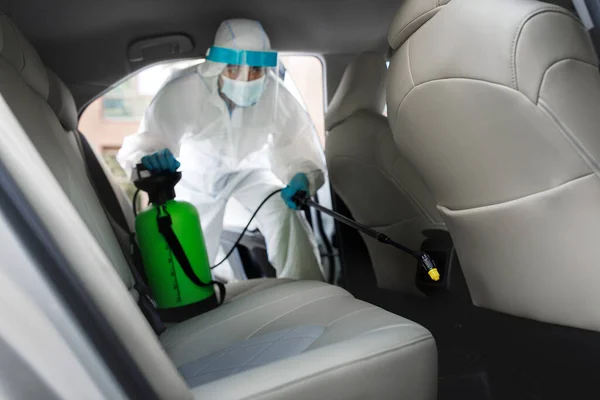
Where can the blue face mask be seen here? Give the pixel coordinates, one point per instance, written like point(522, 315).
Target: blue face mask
point(243, 93)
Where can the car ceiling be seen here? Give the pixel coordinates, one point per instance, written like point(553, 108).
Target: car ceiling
point(85, 41)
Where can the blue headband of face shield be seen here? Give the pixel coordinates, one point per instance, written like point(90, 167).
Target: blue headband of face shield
point(242, 57)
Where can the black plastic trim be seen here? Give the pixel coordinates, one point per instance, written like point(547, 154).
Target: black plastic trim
point(180, 314)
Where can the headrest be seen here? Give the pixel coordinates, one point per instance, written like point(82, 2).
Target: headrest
point(62, 102)
point(411, 16)
point(362, 88)
point(17, 51)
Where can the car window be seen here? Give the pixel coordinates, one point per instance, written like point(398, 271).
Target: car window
point(304, 79)
point(118, 113)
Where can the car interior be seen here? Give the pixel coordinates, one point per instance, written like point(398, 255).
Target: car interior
point(459, 128)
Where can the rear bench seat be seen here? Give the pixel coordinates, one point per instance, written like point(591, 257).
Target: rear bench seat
point(272, 338)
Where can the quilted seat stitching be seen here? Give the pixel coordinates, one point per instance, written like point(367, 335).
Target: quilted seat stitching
point(291, 311)
point(248, 363)
point(194, 333)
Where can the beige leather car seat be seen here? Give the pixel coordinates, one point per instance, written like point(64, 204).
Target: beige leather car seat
point(272, 339)
point(497, 104)
point(379, 186)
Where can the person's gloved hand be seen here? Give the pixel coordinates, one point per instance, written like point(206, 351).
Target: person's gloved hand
point(161, 161)
point(298, 183)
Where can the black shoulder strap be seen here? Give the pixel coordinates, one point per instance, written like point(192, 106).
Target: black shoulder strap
point(165, 228)
point(118, 223)
point(101, 183)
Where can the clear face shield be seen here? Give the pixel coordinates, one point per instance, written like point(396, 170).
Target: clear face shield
point(276, 131)
point(246, 80)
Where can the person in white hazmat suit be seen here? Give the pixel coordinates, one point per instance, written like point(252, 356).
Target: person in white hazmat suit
point(236, 131)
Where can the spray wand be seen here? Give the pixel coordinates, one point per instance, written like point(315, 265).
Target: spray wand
point(303, 201)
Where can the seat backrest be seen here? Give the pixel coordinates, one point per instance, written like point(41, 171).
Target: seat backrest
point(496, 103)
point(380, 188)
point(62, 102)
point(25, 85)
point(42, 105)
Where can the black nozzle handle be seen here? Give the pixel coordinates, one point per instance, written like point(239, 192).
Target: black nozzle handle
point(140, 168)
point(302, 199)
point(159, 186)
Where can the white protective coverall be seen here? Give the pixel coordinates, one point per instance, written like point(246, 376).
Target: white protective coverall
point(244, 152)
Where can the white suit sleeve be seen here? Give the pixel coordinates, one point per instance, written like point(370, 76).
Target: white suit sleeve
point(162, 127)
point(296, 147)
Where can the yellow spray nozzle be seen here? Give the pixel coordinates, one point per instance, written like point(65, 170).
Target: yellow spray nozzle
point(429, 265)
point(434, 274)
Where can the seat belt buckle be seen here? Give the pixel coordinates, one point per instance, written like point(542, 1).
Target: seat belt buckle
point(145, 293)
point(151, 300)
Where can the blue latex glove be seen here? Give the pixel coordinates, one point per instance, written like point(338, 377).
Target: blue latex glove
point(298, 183)
point(161, 161)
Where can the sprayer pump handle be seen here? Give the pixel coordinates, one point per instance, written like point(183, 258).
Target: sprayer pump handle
point(301, 199)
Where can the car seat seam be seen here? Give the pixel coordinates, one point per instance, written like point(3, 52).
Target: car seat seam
point(268, 346)
point(385, 328)
point(435, 10)
point(390, 177)
point(408, 61)
point(303, 379)
point(227, 351)
point(291, 311)
point(261, 306)
point(257, 288)
point(570, 138)
point(348, 315)
point(248, 363)
point(19, 70)
point(269, 341)
point(186, 338)
point(540, 193)
point(412, 198)
point(555, 64)
point(436, 80)
point(344, 198)
point(519, 31)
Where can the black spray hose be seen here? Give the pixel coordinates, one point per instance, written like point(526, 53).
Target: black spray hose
point(134, 202)
point(328, 246)
point(303, 200)
point(239, 239)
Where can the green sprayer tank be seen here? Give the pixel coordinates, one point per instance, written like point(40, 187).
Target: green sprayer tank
point(169, 234)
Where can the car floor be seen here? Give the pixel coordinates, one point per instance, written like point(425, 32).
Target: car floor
point(485, 354)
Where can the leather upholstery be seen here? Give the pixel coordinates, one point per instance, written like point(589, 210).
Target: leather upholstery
point(25, 88)
point(364, 351)
point(381, 188)
point(362, 87)
point(17, 52)
point(359, 340)
point(410, 17)
point(251, 353)
point(495, 102)
point(62, 102)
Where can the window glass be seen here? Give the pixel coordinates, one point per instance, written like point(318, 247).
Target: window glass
point(304, 79)
point(109, 155)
